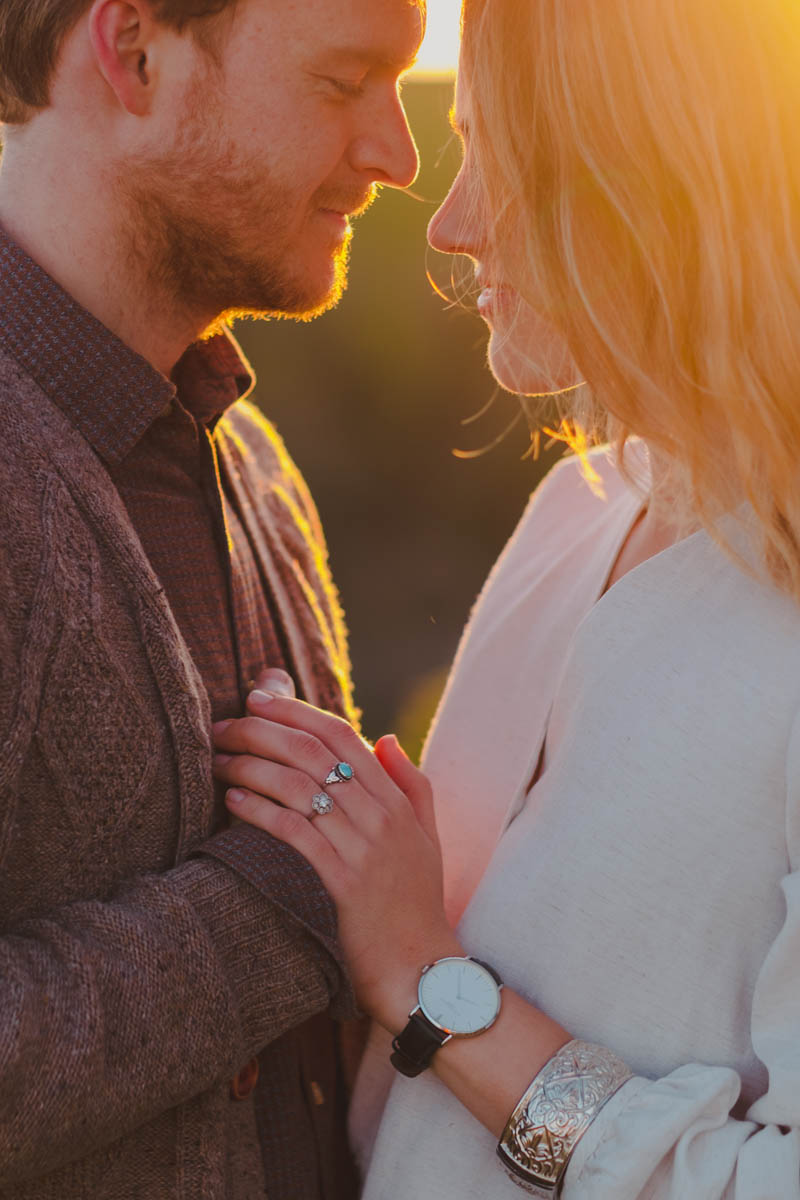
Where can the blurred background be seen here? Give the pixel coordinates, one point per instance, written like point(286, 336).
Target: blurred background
point(372, 399)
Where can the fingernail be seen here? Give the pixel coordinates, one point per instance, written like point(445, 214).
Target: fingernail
point(261, 699)
point(280, 680)
point(221, 759)
point(220, 725)
point(234, 796)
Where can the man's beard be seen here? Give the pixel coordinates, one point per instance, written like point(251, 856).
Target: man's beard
point(207, 231)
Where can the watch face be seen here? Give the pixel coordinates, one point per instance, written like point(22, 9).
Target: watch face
point(459, 996)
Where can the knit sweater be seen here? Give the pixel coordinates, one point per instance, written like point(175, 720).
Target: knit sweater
point(141, 962)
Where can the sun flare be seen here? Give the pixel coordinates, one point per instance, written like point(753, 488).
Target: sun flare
point(439, 51)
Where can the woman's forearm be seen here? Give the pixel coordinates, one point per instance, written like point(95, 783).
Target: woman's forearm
point(488, 1073)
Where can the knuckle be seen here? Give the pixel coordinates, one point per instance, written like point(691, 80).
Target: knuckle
point(383, 823)
point(396, 801)
point(247, 770)
point(304, 744)
point(232, 770)
point(253, 809)
point(291, 823)
point(249, 729)
point(362, 859)
point(350, 740)
point(422, 787)
point(300, 787)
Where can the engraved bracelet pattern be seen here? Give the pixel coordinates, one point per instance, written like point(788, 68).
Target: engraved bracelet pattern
point(555, 1112)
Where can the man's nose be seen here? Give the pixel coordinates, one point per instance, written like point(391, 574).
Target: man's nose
point(386, 150)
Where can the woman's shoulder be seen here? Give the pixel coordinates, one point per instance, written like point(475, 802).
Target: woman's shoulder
point(580, 496)
point(563, 547)
point(590, 482)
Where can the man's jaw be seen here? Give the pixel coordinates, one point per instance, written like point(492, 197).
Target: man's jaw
point(236, 280)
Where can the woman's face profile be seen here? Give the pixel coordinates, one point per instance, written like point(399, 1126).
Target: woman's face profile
point(526, 352)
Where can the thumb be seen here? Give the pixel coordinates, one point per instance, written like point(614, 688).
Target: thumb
point(401, 770)
point(276, 682)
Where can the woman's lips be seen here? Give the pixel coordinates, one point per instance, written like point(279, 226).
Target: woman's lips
point(495, 297)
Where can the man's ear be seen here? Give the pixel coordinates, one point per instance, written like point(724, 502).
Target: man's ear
point(122, 36)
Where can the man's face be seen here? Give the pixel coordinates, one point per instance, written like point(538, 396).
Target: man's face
point(238, 200)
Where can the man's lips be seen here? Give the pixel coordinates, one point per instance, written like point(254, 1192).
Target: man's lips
point(338, 215)
point(337, 221)
point(347, 205)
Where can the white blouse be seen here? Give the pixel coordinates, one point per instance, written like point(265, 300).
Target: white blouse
point(646, 892)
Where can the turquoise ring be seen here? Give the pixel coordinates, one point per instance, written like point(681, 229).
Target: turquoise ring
point(341, 773)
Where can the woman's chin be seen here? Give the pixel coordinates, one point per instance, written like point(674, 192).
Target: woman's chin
point(528, 373)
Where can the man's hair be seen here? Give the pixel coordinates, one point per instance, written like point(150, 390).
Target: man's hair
point(31, 33)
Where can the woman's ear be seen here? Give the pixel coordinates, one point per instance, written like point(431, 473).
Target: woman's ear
point(122, 37)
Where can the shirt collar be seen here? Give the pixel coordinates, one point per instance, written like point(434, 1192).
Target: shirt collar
point(211, 375)
point(108, 391)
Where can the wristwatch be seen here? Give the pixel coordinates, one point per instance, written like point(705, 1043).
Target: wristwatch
point(457, 997)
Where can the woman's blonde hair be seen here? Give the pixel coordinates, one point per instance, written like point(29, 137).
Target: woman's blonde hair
point(641, 162)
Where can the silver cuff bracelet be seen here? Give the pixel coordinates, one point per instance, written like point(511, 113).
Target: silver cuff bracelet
point(555, 1112)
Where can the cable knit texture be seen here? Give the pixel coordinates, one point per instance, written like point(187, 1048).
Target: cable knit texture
point(141, 962)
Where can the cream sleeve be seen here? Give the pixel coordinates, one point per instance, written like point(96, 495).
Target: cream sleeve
point(674, 1138)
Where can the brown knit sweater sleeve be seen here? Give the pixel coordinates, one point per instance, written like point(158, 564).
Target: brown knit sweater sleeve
point(113, 1012)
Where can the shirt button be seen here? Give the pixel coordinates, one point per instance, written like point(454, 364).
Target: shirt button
point(245, 1081)
point(249, 684)
point(316, 1093)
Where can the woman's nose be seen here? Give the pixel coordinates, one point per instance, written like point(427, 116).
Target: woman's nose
point(455, 227)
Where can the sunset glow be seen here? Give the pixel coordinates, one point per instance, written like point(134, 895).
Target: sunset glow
point(439, 51)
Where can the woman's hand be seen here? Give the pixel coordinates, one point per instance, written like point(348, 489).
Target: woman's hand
point(376, 852)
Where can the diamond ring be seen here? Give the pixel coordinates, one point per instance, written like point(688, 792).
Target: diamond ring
point(321, 805)
point(341, 773)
